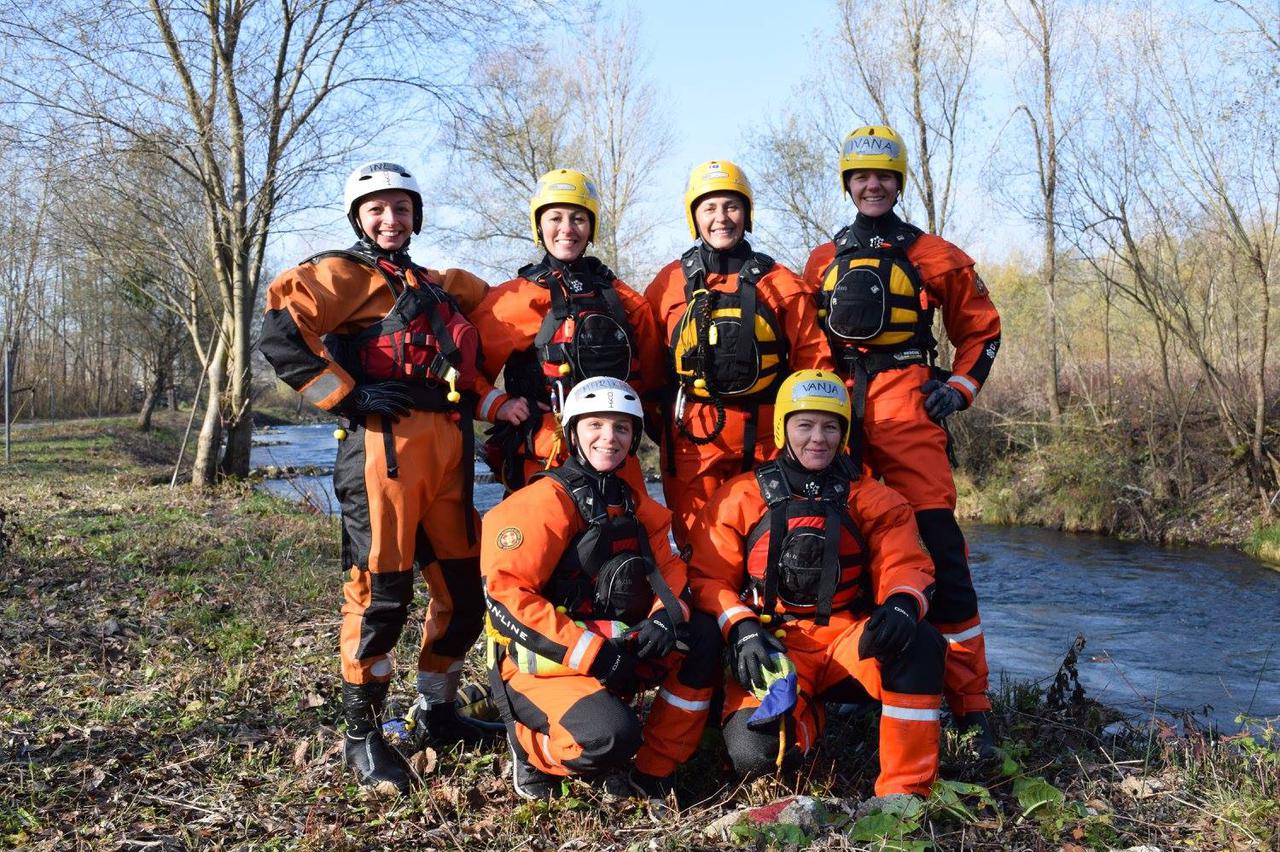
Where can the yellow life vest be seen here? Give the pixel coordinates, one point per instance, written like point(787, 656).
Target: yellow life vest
point(713, 353)
point(872, 298)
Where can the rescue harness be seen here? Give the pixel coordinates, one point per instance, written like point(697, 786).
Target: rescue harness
point(585, 334)
point(815, 559)
point(726, 346)
point(875, 312)
point(424, 341)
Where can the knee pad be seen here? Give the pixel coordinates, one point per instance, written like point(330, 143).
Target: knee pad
point(607, 730)
point(754, 753)
point(917, 670)
point(390, 594)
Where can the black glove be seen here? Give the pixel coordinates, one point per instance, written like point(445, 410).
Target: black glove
point(941, 399)
point(655, 636)
point(890, 628)
point(750, 647)
point(390, 398)
point(616, 669)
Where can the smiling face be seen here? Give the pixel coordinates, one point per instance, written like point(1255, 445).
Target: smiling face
point(605, 439)
point(874, 192)
point(721, 218)
point(566, 230)
point(386, 217)
point(813, 437)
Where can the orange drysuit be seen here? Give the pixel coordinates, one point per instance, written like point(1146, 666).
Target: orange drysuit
point(401, 482)
point(729, 578)
point(564, 720)
point(514, 315)
point(691, 471)
point(901, 444)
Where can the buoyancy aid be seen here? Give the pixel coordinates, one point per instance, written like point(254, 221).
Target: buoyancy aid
point(727, 345)
point(585, 333)
point(806, 558)
point(874, 309)
point(873, 301)
point(424, 341)
point(608, 571)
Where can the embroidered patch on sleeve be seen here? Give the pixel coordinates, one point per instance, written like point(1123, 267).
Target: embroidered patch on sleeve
point(510, 538)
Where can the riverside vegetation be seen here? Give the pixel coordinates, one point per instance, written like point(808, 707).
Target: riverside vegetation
point(170, 682)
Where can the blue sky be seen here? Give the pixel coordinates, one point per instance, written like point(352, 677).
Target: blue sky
point(721, 68)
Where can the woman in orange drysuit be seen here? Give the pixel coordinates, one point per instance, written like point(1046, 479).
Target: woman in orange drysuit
point(815, 571)
point(877, 285)
point(726, 376)
point(583, 592)
point(367, 334)
point(562, 320)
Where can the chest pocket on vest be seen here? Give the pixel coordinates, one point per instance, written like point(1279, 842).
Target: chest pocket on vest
point(595, 344)
point(623, 592)
point(870, 301)
point(800, 566)
point(734, 360)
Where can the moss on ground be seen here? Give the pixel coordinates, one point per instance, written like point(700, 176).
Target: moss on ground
point(171, 681)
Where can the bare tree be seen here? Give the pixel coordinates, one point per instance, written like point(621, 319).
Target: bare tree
point(913, 61)
point(602, 117)
point(251, 101)
point(1051, 76)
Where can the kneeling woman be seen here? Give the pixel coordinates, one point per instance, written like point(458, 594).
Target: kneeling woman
point(817, 572)
point(583, 596)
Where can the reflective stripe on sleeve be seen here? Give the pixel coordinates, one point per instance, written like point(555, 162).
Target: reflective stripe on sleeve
point(580, 650)
point(963, 382)
point(730, 613)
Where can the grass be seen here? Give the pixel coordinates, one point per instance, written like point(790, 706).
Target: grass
point(171, 682)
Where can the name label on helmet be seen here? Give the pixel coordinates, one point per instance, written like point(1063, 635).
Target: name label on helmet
point(374, 168)
point(820, 388)
point(872, 145)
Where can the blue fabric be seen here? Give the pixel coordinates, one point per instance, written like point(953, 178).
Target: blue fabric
point(779, 694)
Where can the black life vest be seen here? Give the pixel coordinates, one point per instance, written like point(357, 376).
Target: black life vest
point(585, 333)
point(424, 340)
point(608, 570)
point(872, 304)
point(806, 558)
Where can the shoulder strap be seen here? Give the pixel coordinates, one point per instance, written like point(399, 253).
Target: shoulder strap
point(773, 484)
point(363, 260)
point(695, 273)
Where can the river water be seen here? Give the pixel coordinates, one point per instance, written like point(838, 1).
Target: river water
point(1167, 630)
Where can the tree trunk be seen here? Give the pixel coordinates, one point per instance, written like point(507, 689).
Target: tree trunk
point(150, 400)
point(205, 467)
point(239, 411)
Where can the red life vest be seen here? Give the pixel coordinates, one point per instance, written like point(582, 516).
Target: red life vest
point(424, 340)
point(806, 557)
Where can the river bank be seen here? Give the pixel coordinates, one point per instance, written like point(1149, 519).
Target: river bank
point(171, 681)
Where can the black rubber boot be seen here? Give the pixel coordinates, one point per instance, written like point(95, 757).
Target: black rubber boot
point(440, 726)
point(532, 783)
point(651, 786)
point(363, 747)
point(984, 742)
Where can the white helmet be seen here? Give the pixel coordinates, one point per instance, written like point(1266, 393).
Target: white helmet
point(599, 395)
point(375, 177)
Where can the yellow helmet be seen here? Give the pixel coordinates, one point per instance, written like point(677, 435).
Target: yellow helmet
point(811, 390)
point(715, 176)
point(564, 186)
point(873, 147)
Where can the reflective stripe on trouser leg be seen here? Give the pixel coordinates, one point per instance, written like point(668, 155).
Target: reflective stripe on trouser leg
point(954, 611)
point(965, 679)
point(674, 727)
point(909, 732)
